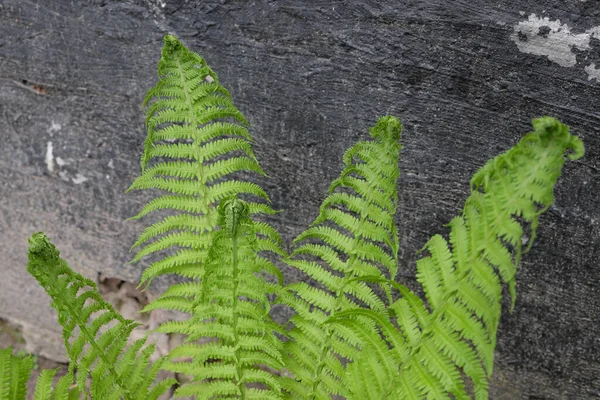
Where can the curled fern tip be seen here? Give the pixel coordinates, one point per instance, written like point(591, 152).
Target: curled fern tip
point(171, 44)
point(40, 245)
point(552, 129)
point(231, 211)
point(387, 126)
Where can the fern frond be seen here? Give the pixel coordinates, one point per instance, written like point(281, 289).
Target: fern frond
point(197, 141)
point(95, 335)
point(354, 235)
point(14, 374)
point(230, 312)
point(454, 333)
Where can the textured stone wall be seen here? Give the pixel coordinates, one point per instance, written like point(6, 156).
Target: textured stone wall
point(465, 77)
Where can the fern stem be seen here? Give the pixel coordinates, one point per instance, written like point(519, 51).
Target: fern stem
point(239, 383)
point(194, 119)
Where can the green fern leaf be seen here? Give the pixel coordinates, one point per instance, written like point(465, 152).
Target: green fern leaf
point(354, 235)
point(230, 313)
point(14, 374)
point(63, 390)
point(43, 387)
point(101, 355)
point(197, 141)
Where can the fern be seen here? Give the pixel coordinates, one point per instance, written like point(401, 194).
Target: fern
point(231, 310)
point(354, 235)
point(454, 333)
point(116, 371)
point(15, 372)
point(356, 332)
point(197, 139)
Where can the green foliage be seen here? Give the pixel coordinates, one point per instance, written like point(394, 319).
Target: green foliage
point(353, 236)
point(14, 374)
point(356, 332)
point(34, 359)
point(230, 313)
point(95, 335)
point(453, 334)
point(15, 371)
point(197, 139)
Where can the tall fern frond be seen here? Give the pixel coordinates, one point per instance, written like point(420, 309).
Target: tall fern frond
point(453, 334)
point(353, 236)
point(196, 139)
point(95, 335)
point(230, 313)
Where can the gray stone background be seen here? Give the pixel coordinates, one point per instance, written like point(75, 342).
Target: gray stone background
point(465, 77)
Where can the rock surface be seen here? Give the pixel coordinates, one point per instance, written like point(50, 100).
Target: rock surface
point(465, 77)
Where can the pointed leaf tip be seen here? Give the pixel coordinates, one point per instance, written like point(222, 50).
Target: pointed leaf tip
point(387, 127)
point(171, 44)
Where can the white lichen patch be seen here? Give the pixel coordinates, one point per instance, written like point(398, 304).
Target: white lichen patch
point(54, 127)
point(64, 176)
point(49, 157)
point(79, 179)
point(61, 162)
point(544, 37)
point(593, 72)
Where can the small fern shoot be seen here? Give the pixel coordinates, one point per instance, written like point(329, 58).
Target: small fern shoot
point(116, 372)
point(197, 138)
point(353, 236)
point(453, 334)
point(230, 313)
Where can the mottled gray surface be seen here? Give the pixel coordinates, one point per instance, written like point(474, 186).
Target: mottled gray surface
point(466, 77)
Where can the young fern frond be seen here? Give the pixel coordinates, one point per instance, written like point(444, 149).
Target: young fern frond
point(353, 236)
point(95, 335)
point(196, 140)
point(454, 333)
point(230, 312)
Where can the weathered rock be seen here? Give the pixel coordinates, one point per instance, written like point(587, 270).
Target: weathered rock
point(465, 77)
